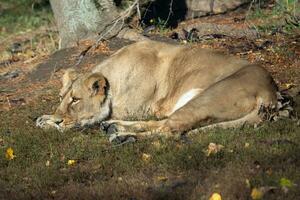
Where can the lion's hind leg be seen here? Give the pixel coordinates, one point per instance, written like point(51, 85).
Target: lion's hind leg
point(231, 102)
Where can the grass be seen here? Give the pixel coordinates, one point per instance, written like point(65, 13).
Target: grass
point(280, 16)
point(23, 16)
point(175, 169)
point(28, 23)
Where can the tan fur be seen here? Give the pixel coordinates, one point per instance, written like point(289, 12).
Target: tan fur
point(152, 79)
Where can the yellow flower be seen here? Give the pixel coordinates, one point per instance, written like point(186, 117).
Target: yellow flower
point(215, 196)
point(71, 162)
point(9, 154)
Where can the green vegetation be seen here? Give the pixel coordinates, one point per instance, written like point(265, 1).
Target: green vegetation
point(25, 15)
point(251, 158)
point(282, 16)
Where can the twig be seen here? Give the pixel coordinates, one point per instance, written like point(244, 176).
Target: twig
point(102, 35)
point(249, 24)
point(8, 101)
point(53, 72)
point(138, 11)
point(5, 90)
point(170, 13)
point(146, 11)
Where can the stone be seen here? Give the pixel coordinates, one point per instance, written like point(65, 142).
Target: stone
point(198, 8)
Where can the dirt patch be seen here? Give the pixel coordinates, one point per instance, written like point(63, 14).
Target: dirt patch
point(68, 57)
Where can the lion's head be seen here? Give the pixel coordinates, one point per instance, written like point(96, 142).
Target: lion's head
point(84, 98)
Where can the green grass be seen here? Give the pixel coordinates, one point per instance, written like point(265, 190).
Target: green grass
point(107, 172)
point(280, 16)
point(23, 16)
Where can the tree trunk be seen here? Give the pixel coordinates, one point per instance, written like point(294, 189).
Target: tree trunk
point(82, 19)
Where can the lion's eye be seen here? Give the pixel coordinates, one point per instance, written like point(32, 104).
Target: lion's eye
point(75, 100)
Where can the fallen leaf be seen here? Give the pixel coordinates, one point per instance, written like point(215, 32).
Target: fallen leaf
point(156, 144)
point(213, 148)
point(284, 182)
point(146, 157)
point(47, 163)
point(289, 85)
point(215, 196)
point(162, 178)
point(247, 145)
point(248, 185)
point(258, 193)
point(9, 154)
point(71, 162)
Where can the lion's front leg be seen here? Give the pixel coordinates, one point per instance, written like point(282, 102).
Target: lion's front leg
point(121, 131)
point(117, 134)
point(138, 126)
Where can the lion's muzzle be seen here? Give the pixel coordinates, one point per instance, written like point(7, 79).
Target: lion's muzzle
point(50, 121)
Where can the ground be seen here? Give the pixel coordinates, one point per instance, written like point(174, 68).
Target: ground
point(40, 164)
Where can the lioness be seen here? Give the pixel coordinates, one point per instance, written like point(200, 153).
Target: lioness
point(183, 87)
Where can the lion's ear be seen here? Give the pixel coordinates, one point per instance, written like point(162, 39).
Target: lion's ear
point(69, 76)
point(96, 84)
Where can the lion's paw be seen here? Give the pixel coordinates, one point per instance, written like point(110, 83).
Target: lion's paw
point(122, 138)
point(111, 128)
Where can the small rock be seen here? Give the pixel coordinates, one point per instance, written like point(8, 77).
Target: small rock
point(10, 75)
point(16, 47)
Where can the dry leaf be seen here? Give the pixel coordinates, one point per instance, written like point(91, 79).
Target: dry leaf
point(215, 196)
point(71, 162)
point(9, 154)
point(248, 185)
point(258, 193)
point(162, 178)
point(156, 144)
point(213, 148)
point(146, 157)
